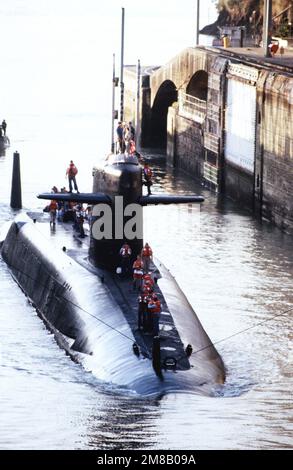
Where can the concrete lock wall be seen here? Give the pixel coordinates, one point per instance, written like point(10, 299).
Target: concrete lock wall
point(130, 101)
point(206, 147)
point(274, 165)
point(188, 146)
point(239, 145)
point(179, 70)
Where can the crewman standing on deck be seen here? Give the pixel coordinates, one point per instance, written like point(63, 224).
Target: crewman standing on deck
point(131, 149)
point(71, 172)
point(125, 255)
point(4, 126)
point(146, 256)
point(148, 174)
point(141, 312)
point(53, 206)
point(132, 130)
point(155, 313)
point(137, 273)
point(120, 137)
point(148, 281)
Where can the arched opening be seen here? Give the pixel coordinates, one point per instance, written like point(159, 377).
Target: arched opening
point(166, 96)
point(198, 85)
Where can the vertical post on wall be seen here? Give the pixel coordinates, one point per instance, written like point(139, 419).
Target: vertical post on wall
point(137, 115)
point(113, 106)
point(290, 18)
point(197, 5)
point(290, 13)
point(267, 26)
point(122, 67)
point(15, 198)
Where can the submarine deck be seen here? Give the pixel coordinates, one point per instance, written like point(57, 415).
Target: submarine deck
point(122, 291)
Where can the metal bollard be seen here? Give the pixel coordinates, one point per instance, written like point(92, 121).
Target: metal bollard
point(15, 198)
point(156, 355)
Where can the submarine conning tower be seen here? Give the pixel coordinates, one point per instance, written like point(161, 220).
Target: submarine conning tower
point(117, 202)
point(121, 179)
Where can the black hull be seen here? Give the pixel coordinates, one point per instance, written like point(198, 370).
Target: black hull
point(86, 315)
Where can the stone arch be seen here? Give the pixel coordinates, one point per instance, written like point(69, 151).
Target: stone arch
point(198, 85)
point(166, 95)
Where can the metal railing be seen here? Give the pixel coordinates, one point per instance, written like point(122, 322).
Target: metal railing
point(211, 173)
point(192, 107)
point(211, 142)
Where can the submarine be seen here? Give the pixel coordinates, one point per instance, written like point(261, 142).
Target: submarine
point(93, 310)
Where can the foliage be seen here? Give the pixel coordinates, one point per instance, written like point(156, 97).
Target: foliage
point(240, 12)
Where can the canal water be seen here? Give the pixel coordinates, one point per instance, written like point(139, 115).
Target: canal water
point(235, 271)
point(237, 274)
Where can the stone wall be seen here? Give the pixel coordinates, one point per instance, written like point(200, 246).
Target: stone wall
point(130, 96)
point(130, 91)
point(193, 145)
point(180, 69)
point(189, 146)
point(274, 163)
point(239, 185)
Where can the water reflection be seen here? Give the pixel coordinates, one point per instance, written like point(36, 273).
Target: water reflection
point(124, 424)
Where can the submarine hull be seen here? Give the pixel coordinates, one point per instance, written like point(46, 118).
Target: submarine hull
point(88, 322)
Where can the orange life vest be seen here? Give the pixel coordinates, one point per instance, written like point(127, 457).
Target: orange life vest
point(147, 252)
point(149, 285)
point(148, 173)
point(53, 206)
point(158, 306)
point(137, 269)
point(131, 147)
point(154, 307)
point(138, 264)
point(72, 170)
point(151, 306)
point(147, 279)
point(146, 291)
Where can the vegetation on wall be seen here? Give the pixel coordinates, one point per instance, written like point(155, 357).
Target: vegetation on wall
point(249, 13)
